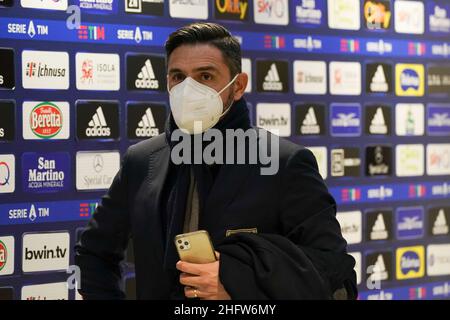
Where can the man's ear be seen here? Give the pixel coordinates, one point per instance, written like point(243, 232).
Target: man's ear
point(239, 85)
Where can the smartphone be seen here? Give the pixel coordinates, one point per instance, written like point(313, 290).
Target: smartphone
point(195, 247)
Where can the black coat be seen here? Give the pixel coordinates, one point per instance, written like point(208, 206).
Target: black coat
point(293, 203)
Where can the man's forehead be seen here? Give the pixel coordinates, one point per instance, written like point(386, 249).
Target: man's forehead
point(199, 57)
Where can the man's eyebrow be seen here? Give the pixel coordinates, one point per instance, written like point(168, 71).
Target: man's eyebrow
point(199, 69)
point(175, 70)
point(206, 68)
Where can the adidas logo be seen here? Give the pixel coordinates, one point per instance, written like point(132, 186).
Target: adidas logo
point(146, 78)
point(378, 124)
point(272, 80)
point(147, 126)
point(379, 272)
point(379, 83)
point(98, 126)
point(440, 224)
point(379, 231)
point(309, 125)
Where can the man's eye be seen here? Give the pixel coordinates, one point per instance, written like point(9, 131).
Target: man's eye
point(206, 77)
point(177, 77)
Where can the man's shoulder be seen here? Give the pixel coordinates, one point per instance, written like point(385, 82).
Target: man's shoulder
point(142, 150)
point(286, 149)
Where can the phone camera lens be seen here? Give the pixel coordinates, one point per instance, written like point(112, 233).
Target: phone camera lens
point(179, 241)
point(186, 243)
point(181, 247)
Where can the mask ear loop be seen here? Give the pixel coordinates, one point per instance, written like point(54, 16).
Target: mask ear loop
point(229, 84)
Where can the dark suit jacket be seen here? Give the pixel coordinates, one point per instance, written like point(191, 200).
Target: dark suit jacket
point(294, 203)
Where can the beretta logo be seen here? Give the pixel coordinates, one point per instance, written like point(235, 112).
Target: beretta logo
point(6, 255)
point(147, 7)
point(97, 119)
point(7, 78)
point(272, 76)
point(45, 70)
point(145, 72)
point(45, 120)
point(145, 120)
point(231, 9)
point(49, 172)
point(7, 120)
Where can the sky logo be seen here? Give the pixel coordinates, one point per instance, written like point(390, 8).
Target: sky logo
point(410, 222)
point(345, 119)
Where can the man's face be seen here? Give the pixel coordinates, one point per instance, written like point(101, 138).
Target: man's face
point(205, 64)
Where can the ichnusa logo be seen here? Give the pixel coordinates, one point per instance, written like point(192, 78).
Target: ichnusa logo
point(45, 70)
point(410, 262)
point(409, 80)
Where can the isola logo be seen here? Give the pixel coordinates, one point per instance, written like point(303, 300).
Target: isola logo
point(409, 79)
point(410, 262)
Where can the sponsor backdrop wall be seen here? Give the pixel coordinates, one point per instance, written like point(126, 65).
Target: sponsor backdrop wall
point(364, 84)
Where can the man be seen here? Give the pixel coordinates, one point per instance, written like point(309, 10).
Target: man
point(276, 235)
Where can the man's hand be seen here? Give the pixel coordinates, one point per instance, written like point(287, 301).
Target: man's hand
point(202, 280)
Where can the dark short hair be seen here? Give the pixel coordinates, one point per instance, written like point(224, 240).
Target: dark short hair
point(208, 33)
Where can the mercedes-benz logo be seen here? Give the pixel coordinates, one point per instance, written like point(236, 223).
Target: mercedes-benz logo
point(98, 163)
point(4, 173)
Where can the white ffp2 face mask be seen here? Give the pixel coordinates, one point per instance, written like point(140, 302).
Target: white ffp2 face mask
point(191, 102)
